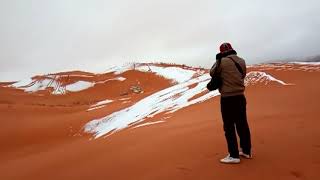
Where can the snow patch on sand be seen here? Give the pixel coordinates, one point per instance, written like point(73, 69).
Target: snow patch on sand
point(95, 108)
point(79, 86)
point(306, 63)
point(124, 99)
point(21, 83)
point(120, 78)
point(104, 102)
point(168, 100)
point(31, 86)
point(51, 81)
point(177, 74)
point(255, 77)
point(100, 104)
point(113, 79)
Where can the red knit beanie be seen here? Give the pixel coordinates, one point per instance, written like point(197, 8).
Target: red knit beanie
point(225, 47)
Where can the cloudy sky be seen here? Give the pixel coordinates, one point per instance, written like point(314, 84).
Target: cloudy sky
point(43, 36)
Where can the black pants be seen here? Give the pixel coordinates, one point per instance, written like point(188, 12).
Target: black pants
point(234, 115)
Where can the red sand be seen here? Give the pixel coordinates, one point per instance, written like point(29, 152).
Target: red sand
point(42, 137)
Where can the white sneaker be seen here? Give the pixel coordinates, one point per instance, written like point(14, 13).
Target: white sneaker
point(230, 160)
point(247, 156)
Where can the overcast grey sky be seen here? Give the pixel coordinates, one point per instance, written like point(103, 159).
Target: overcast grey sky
point(43, 36)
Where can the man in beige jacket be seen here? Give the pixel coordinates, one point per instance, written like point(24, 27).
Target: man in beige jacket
point(232, 70)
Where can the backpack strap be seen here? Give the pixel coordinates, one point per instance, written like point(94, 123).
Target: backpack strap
point(238, 67)
point(218, 66)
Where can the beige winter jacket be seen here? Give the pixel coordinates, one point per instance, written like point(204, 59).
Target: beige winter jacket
point(232, 80)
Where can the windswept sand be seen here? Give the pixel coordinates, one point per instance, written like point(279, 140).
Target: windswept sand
point(41, 136)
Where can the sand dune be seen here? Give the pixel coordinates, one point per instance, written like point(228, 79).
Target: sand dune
point(157, 121)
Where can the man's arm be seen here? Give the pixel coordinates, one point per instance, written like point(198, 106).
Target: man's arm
point(213, 69)
point(244, 68)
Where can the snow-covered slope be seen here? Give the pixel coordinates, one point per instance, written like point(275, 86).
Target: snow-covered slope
point(255, 77)
point(56, 84)
point(177, 74)
point(168, 100)
point(190, 89)
point(34, 85)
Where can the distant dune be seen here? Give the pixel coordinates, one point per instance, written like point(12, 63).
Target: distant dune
point(310, 59)
point(157, 121)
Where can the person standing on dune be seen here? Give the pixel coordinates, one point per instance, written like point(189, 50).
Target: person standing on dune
point(232, 71)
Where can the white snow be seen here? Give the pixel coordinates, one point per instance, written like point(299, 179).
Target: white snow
point(113, 79)
point(306, 63)
point(100, 104)
point(31, 86)
point(167, 100)
point(94, 108)
point(120, 69)
point(41, 85)
point(104, 102)
point(175, 73)
point(79, 86)
point(120, 78)
point(21, 83)
point(148, 124)
point(254, 77)
point(51, 81)
point(38, 85)
point(123, 99)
